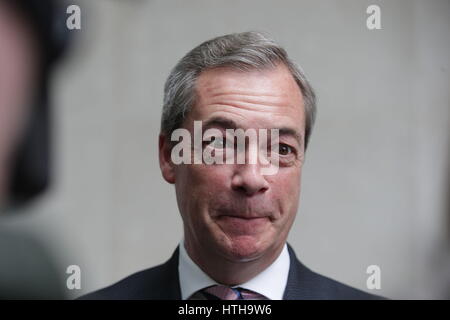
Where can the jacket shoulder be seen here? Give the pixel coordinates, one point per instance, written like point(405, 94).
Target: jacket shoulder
point(157, 283)
point(304, 283)
point(328, 288)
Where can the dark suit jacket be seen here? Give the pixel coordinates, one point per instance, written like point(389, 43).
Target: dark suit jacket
point(162, 283)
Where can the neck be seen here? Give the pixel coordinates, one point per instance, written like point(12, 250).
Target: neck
point(228, 272)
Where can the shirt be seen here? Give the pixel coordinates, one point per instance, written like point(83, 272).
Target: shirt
point(271, 282)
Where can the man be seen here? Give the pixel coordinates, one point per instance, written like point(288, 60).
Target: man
point(236, 219)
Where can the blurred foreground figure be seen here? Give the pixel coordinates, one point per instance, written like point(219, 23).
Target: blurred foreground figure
point(32, 38)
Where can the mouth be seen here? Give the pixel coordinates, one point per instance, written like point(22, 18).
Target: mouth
point(243, 225)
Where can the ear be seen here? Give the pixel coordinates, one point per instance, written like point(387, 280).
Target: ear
point(165, 161)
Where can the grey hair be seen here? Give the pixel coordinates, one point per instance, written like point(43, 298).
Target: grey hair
point(242, 51)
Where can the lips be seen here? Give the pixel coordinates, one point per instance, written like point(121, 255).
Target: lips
point(245, 212)
point(245, 217)
point(242, 225)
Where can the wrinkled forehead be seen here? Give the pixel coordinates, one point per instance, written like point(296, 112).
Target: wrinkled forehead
point(270, 81)
point(268, 97)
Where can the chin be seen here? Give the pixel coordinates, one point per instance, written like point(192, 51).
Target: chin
point(244, 248)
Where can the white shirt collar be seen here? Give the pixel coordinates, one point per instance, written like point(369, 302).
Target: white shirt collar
point(271, 282)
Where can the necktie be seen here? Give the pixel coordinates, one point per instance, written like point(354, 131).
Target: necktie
point(226, 293)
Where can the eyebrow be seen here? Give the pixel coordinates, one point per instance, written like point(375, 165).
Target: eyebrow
point(285, 131)
point(225, 123)
point(221, 122)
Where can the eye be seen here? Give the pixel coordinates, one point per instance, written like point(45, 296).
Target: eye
point(217, 143)
point(284, 149)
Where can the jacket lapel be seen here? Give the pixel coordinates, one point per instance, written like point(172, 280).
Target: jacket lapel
point(172, 290)
point(300, 284)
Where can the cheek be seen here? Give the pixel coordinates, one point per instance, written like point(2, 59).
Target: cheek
point(201, 183)
point(207, 177)
point(286, 187)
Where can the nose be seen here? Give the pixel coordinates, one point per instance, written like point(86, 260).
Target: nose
point(248, 179)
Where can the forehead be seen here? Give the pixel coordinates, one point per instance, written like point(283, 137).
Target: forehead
point(256, 98)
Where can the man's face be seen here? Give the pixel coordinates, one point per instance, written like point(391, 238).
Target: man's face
point(232, 209)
